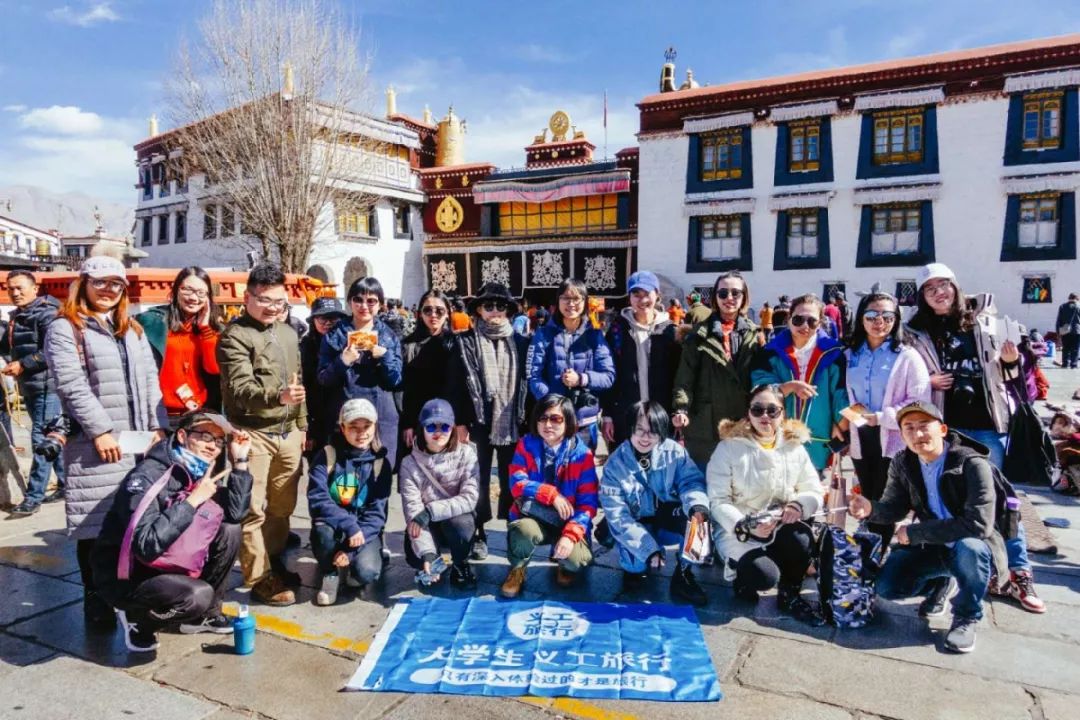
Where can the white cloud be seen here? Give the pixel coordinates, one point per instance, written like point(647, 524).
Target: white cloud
point(85, 16)
point(15, 108)
point(62, 119)
point(102, 166)
point(534, 52)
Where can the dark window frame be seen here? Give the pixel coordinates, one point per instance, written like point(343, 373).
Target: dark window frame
point(1069, 120)
point(181, 228)
point(694, 261)
point(925, 254)
point(783, 174)
point(783, 261)
point(694, 181)
point(1065, 249)
point(927, 165)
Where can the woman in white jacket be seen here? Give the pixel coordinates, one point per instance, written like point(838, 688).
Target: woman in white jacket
point(440, 485)
point(762, 465)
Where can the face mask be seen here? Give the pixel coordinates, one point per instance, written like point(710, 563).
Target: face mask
point(195, 465)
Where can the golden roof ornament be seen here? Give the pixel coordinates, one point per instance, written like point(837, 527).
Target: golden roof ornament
point(559, 124)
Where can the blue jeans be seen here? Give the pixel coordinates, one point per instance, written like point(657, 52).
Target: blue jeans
point(42, 406)
point(909, 568)
point(365, 562)
point(662, 536)
point(993, 440)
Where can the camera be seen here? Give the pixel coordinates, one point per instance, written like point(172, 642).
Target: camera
point(56, 435)
point(750, 522)
point(965, 370)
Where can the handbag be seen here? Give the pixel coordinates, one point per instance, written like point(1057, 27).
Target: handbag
point(187, 554)
point(836, 499)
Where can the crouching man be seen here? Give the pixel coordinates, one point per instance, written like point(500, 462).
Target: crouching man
point(950, 549)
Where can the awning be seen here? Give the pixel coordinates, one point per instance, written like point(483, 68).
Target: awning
point(616, 181)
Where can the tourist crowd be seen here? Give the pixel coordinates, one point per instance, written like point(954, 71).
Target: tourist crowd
point(178, 441)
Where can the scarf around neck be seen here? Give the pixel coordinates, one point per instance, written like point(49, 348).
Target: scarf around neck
point(500, 365)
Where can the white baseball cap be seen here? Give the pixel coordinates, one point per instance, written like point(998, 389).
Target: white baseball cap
point(357, 409)
point(934, 271)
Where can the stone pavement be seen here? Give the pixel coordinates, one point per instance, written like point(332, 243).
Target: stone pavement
point(1025, 666)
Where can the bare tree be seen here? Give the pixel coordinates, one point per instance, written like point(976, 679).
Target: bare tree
point(266, 104)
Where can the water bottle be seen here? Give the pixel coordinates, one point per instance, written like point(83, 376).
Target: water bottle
point(438, 565)
point(244, 632)
point(1012, 517)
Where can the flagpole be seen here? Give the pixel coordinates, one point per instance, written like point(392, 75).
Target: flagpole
point(605, 125)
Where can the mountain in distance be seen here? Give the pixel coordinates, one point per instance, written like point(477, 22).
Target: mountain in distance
point(70, 213)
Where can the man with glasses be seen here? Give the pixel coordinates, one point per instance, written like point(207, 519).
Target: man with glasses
point(22, 340)
point(951, 487)
point(486, 387)
point(259, 357)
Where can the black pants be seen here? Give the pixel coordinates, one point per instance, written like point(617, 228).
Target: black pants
point(455, 533)
point(83, 548)
point(503, 455)
point(364, 561)
point(1070, 348)
point(165, 599)
point(784, 560)
point(873, 472)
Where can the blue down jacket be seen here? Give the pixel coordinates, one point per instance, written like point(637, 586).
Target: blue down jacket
point(553, 350)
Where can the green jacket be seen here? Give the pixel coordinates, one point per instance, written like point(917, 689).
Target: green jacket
point(153, 323)
point(709, 386)
point(256, 363)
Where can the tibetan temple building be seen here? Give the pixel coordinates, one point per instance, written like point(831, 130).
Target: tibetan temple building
point(564, 214)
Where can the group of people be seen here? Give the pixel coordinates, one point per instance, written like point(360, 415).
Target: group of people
point(708, 421)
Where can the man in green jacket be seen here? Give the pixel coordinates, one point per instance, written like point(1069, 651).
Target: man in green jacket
point(259, 357)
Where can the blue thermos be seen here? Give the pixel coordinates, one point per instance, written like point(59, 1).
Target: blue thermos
point(244, 632)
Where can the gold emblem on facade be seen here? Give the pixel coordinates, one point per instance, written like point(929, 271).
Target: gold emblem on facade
point(464, 181)
point(438, 183)
point(559, 124)
point(449, 215)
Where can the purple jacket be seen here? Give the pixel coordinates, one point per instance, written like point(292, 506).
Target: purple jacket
point(908, 382)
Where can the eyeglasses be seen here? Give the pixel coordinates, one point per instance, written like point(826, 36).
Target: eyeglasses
point(113, 285)
point(808, 320)
point(269, 302)
point(207, 437)
point(724, 293)
point(937, 288)
point(571, 299)
point(773, 411)
point(369, 301)
point(886, 316)
point(433, 310)
point(551, 420)
point(434, 428)
point(192, 292)
point(645, 433)
point(494, 306)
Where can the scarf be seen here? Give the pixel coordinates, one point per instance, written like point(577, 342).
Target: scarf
point(500, 365)
point(195, 465)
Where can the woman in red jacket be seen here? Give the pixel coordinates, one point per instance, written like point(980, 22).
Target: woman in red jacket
point(184, 337)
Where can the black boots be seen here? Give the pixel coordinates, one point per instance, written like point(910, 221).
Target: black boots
point(684, 586)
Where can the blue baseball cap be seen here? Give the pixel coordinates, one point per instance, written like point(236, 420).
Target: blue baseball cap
point(643, 280)
point(436, 410)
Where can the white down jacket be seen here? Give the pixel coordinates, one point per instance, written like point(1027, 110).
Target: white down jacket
point(743, 477)
point(446, 484)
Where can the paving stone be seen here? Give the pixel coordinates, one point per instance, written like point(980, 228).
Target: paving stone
point(880, 685)
point(427, 707)
point(49, 517)
point(16, 653)
point(1059, 622)
point(227, 714)
point(27, 594)
point(1056, 706)
point(65, 630)
point(65, 688)
point(281, 679)
point(1057, 588)
point(49, 553)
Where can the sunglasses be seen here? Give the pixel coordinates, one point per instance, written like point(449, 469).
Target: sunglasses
point(887, 316)
point(433, 428)
point(432, 310)
point(551, 420)
point(773, 411)
point(725, 293)
point(370, 301)
point(494, 305)
point(808, 320)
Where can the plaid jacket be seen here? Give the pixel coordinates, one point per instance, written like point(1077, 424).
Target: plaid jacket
point(575, 477)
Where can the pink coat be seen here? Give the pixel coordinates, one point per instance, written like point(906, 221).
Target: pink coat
point(908, 382)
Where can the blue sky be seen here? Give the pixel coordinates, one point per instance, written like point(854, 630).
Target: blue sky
point(79, 78)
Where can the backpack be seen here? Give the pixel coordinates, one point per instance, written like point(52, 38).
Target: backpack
point(847, 565)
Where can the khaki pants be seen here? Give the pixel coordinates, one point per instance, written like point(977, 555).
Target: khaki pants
point(525, 534)
point(275, 470)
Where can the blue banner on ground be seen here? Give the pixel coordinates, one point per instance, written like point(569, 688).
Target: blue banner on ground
point(481, 646)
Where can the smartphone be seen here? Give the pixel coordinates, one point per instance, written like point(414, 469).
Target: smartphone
point(839, 445)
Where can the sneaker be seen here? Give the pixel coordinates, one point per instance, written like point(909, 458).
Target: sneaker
point(96, 612)
point(564, 578)
point(213, 623)
point(994, 589)
point(1021, 587)
point(961, 636)
point(328, 590)
point(25, 509)
point(790, 601)
point(136, 639)
point(684, 586)
point(462, 577)
point(271, 590)
point(632, 582)
point(479, 550)
point(55, 496)
point(515, 581)
point(940, 591)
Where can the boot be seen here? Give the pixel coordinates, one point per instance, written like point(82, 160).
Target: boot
point(514, 582)
point(97, 612)
point(684, 586)
point(789, 599)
